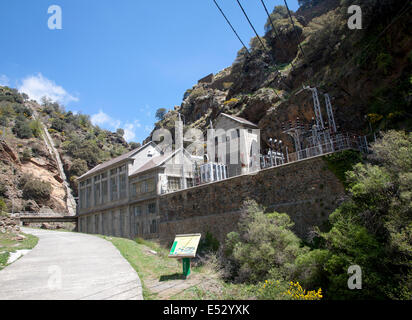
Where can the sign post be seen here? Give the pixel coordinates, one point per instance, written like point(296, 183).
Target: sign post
point(184, 247)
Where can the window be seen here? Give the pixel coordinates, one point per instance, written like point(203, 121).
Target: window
point(97, 194)
point(137, 211)
point(189, 182)
point(88, 196)
point(113, 185)
point(104, 191)
point(143, 187)
point(122, 186)
point(151, 207)
point(134, 189)
point(153, 226)
point(173, 183)
point(82, 198)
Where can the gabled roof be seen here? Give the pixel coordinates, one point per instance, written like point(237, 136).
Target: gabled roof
point(123, 158)
point(238, 119)
point(156, 162)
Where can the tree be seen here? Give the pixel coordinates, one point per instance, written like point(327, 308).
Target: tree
point(36, 189)
point(78, 167)
point(160, 114)
point(22, 129)
point(264, 247)
point(135, 145)
point(120, 132)
point(58, 124)
point(279, 12)
point(373, 229)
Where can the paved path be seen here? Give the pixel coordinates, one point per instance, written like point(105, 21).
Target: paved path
point(70, 266)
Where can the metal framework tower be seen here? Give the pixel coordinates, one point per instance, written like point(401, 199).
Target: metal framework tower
point(316, 107)
point(329, 111)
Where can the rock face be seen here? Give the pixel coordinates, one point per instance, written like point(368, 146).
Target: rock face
point(9, 225)
point(337, 61)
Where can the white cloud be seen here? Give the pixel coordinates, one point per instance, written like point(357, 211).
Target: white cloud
point(104, 120)
point(38, 86)
point(130, 130)
point(4, 80)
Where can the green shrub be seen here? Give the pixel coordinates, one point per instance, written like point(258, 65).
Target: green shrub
point(78, 167)
point(58, 124)
point(36, 128)
point(26, 155)
point(3, 207)
point(341, 162)
point(208, 244)
point(36, 189)
point(22, 129)
point(264, 248)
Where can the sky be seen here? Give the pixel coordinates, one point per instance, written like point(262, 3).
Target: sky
point(119, 61)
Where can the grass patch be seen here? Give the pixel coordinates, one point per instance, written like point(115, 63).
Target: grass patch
point(159, 269)
point(8, 244)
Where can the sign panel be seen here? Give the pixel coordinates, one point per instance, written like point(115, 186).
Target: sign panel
point(185, 246)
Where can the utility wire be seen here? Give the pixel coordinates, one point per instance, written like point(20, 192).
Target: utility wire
point(250, 23)
point(294, 28)
point(233, 29)
point(261, 42)
point(276, 32)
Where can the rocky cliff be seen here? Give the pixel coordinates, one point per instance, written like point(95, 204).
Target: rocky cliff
point(366, 72)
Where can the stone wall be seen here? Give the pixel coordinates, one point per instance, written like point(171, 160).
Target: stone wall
point(306, 190)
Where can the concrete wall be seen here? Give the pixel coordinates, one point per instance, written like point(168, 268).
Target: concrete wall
point(305, 190)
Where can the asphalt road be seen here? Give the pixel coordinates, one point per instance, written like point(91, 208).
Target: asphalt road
point(70, 266)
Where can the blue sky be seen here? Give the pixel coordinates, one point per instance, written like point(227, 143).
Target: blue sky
point(119, 61)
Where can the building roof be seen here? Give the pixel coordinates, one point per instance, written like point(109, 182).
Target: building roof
point(240, 120)
point(156, 162)
point(119, 159)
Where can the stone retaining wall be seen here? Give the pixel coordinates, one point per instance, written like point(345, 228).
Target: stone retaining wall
point(306, 190)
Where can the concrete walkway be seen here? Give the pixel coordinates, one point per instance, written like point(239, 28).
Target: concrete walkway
point(70, 266)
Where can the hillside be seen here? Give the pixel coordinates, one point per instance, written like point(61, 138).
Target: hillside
point(366, 72)
point(29, 169)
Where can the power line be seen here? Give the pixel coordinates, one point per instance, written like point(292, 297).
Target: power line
point(276, 32)
point(250, 23)
point(263, 45)
point(233, 29)
point(294, 28)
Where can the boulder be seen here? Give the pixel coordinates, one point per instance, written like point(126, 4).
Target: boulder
point(46, 226)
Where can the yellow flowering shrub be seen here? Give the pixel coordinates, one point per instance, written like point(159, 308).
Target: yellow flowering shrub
point(233, 100)
point(271, 290)
point(374, 117)
point(296, 292)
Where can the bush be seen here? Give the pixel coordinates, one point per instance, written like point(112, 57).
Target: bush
point(208, 244)
point(36, 189)
point(58, 124)
point(3, 207)
point(26, 155)
point(78, 167)
point(36, 128)
point(160, 114)
point(264, 247)
point(134, 145)
point(22, 129)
